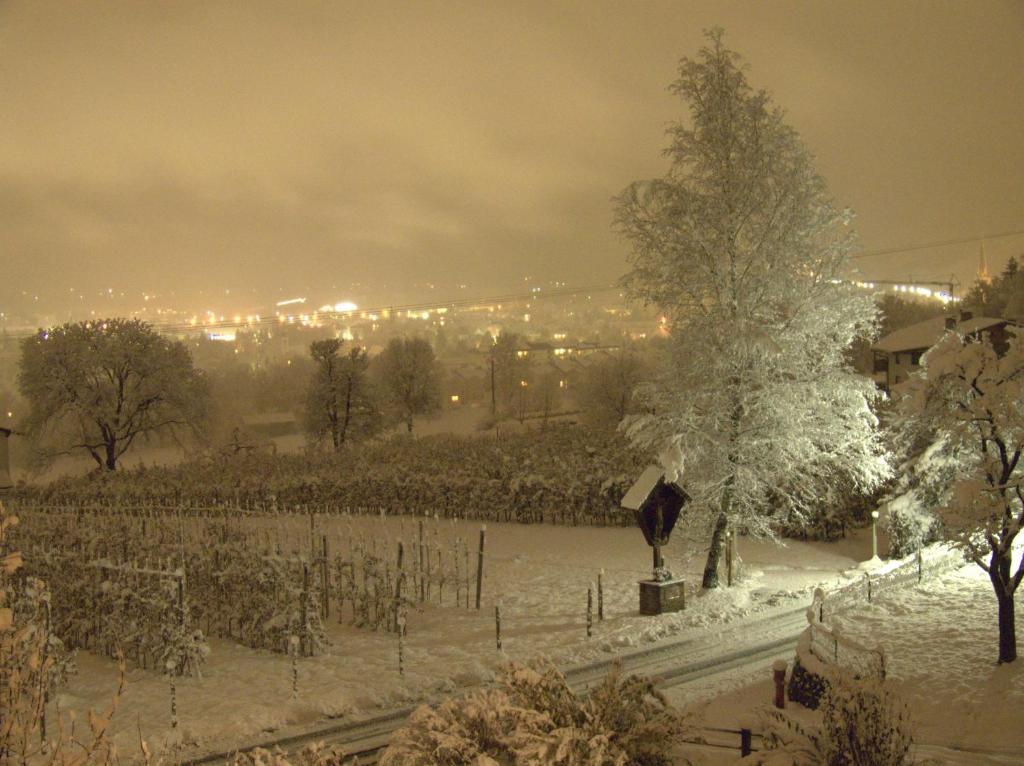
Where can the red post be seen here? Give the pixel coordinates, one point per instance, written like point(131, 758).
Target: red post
point(779, 672)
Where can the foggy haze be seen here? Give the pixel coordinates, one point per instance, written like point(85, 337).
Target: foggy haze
point(368, 151)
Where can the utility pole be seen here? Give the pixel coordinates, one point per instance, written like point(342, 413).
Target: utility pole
point(494, 400)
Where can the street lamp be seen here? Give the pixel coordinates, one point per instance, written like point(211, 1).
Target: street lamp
point(874, 534)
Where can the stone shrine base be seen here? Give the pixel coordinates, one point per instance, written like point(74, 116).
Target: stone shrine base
point(662, 597)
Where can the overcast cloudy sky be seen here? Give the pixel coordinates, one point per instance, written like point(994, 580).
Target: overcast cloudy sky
point(285, 146)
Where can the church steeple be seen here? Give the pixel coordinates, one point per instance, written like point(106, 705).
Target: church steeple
point(983, 275)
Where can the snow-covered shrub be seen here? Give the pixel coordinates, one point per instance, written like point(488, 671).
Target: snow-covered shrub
point(484, 728)
point(621, 721)
point(316, 754)
point(929, 468)
point(32, 664)
point(910, 525)
point(863, 724)
point(533, 717)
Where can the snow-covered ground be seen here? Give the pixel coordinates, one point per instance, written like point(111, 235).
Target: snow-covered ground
point(940, 643)
point(539, 574)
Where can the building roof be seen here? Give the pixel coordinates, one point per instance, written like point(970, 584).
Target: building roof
point(924, 335)
point(642, 488)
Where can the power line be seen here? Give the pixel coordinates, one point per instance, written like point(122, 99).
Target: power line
point(943, 243)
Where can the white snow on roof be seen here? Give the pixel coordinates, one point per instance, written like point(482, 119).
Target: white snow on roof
point(924, 335)
point(642, 488)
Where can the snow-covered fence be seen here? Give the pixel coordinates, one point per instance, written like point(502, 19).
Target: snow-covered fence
point(831, 648)
point(929, 562)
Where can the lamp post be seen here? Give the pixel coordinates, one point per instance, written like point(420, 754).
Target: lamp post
point(874, 534)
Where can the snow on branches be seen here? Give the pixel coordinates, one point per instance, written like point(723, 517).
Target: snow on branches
point(971, 399)
point(740, 246)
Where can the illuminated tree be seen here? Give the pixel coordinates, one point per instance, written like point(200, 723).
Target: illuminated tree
point(973, 402)
point(339, 402)
point(410, 378)
point(741, 248)
point(510, 369)
point(96, 387)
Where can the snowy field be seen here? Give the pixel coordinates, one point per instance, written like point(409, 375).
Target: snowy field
point(540, 577)
point(940, 643)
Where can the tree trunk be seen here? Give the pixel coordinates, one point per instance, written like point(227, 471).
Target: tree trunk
point(111, 461)
point(1007, 623)
point(715, 553)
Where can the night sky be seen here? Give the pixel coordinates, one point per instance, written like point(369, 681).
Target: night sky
point(290, 146)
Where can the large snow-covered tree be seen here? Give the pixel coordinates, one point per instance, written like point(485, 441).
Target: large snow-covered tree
point(410, 378)
point(972, 400)
point(742, 249)
point(98, 386)
point(339, 401)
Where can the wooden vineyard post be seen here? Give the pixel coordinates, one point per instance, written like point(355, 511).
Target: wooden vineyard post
point(458, 580)
point(401, 641)
point(181, 599)
point(174, 695)
point(728, 557)
point(480, 564)
point(325, 578)
point(399, 576)
point(426, 579)
point(293, 645)
point(867, 577)
point(497, 624)
point(307, 650)
point(465, 556)
point(440, 576)
point(423, 582)
point(590, 611)
point(600, 596)
point(920, 564)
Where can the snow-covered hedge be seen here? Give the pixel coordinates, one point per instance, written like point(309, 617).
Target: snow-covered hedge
point(562, 474)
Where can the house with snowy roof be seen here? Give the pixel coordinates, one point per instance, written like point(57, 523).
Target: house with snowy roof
point(898, 355)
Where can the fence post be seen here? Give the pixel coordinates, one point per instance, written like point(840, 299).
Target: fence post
point(920, 563)
point(590, 612)
point(423, 582)
point(779, 676)
point(401, 641)
point(728, 557)
point(868, 578)
point(600, 595)
point(480, 564)
point(745, 748)
point(497, 624)
point(326, 578)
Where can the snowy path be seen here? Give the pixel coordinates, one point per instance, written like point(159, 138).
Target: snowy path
point(677, 664)
point(940, 642)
